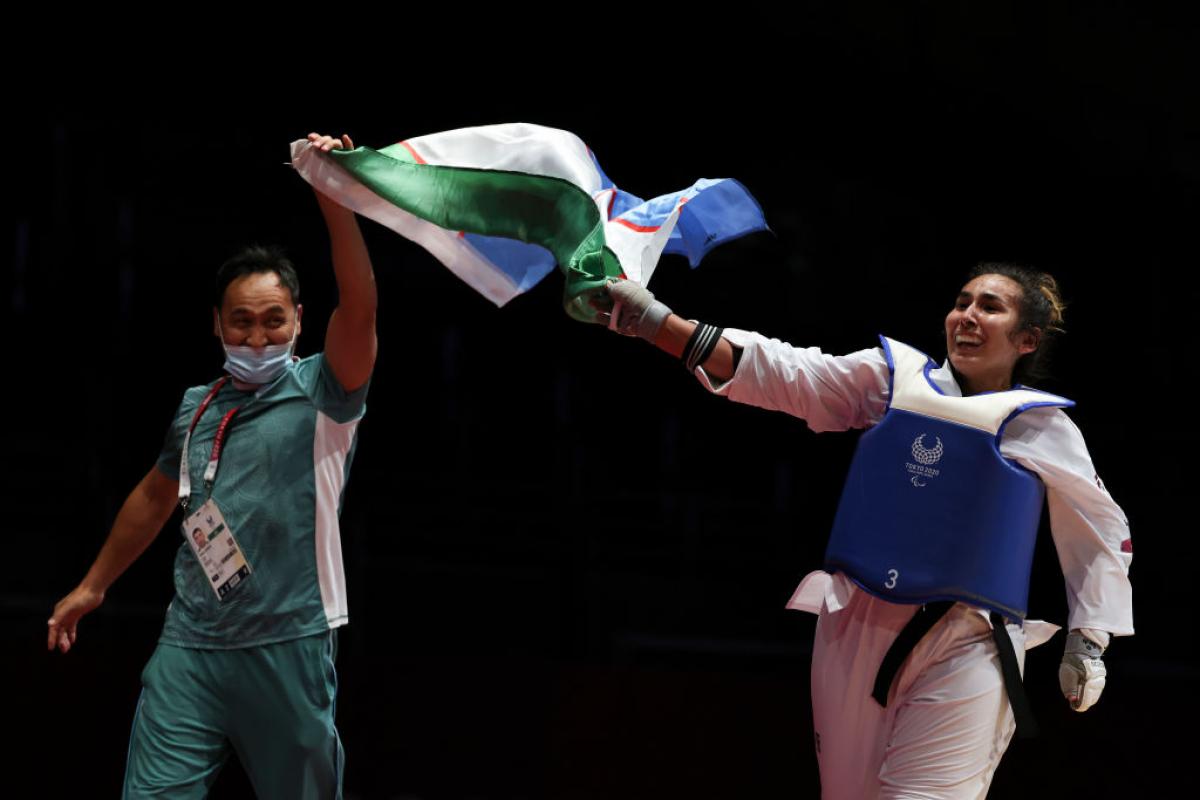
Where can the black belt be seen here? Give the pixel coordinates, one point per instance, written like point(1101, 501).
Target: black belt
point(915, 630)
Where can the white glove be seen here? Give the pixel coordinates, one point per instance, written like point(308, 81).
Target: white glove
point(635, 312)
point(1081, 674)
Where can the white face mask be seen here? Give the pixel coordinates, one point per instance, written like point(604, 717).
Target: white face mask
point(257, 365)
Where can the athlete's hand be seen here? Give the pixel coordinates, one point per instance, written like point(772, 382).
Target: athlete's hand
point(1081, 674)
point(634, 312)
point(327, 143)
point(67, 614)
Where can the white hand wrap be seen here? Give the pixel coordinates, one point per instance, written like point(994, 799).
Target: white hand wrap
point(1081, 674)
point(635, 311)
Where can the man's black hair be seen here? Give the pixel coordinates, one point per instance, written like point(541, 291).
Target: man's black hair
point(253, 260)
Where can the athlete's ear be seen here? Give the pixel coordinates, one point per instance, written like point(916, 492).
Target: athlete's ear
point(1028, 340)
point(217, 323)
point(299, 313)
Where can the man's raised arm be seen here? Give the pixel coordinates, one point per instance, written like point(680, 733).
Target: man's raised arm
point(350, 343)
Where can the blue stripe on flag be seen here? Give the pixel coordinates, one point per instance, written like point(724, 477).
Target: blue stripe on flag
point(525, 264)
point(652, 212)
point(623, 202)
point(716, 211)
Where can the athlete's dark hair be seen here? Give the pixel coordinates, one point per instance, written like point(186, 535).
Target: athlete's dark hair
point(253, 260)
point(1041, 311)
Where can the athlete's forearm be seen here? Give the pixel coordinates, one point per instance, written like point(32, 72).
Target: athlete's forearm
point(141, 517)
point(673, 337)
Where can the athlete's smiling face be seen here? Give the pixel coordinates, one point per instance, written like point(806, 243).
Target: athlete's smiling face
point(257, 310)
point(982, 339)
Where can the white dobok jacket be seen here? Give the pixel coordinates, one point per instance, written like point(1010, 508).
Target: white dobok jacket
point(833, 393)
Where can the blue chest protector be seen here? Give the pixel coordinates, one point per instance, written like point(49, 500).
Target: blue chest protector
point(931, 510)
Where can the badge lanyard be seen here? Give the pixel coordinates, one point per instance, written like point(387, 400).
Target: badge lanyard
point(210, 472)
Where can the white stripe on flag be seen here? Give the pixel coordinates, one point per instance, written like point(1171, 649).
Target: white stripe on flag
point(639, 251)
point(446, 246)
point(513, 147)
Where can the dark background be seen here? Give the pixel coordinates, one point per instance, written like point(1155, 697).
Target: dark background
point(567, 563)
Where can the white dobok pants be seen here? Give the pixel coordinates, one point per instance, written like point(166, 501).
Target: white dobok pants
point(947, 721)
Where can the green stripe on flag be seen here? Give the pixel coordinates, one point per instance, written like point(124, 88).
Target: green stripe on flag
point(550, 212)
point(397, 151)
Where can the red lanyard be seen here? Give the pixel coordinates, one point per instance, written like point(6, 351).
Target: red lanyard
point(214, 458)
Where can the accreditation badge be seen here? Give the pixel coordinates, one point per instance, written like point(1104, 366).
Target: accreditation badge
point(215, 548)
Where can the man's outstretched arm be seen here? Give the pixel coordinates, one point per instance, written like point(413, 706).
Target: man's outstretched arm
point(142, 516)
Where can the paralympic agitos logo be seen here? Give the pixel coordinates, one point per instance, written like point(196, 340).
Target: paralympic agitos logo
point(922, 471)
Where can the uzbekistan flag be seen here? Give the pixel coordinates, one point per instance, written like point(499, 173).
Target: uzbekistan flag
point(500, 205)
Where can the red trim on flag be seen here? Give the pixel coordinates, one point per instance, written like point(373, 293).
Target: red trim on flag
point(416, 156)
point(612, 198)
point(1127, 546)
point(462, 234)
point(638, 228)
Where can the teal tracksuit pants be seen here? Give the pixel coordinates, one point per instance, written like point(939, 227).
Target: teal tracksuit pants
point(272, 705)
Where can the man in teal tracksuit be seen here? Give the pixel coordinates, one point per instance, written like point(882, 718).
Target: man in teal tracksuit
point(258, 459)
